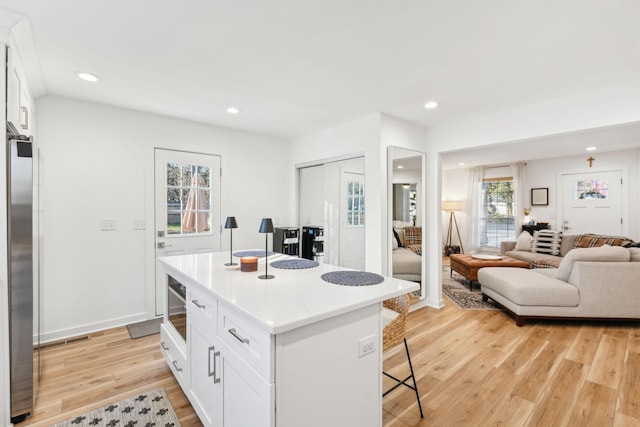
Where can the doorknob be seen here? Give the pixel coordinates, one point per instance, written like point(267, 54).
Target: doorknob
point(162, 245)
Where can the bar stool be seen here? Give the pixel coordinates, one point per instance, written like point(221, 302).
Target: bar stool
point(394, 316)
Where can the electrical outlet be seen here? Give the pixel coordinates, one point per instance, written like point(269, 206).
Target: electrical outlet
point(107, 224)
point(366, 345)
point(139, 224)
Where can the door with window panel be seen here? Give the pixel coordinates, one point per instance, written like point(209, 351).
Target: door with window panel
point(187, 208)
point(352, 244)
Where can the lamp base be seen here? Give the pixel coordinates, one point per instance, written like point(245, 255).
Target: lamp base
point(230, 263)
point(266, 276)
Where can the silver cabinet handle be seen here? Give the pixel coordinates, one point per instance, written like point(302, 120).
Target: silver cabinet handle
point(178, 368)
point(197, 304)
point(216, 378)
point(237, 336)
point(209, 371)
point(164, 346)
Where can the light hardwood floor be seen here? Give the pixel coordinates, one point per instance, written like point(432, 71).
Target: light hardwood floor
point(474, 368)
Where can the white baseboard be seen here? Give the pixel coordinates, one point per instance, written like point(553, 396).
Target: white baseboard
point(427, 302)
point(91, 328)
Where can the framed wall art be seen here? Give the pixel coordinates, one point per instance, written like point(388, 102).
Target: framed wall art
point(539, 197)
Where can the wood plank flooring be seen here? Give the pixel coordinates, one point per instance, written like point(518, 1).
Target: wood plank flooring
point(474, 368)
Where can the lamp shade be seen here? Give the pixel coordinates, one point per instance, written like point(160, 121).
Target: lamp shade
point(231, 222)
point(452, 205)
point(266, 226)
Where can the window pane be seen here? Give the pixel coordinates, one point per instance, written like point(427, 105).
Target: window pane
point(205, 173)
point(187, 174)
point(499, 222)
point(173, 222)
point(173, 174)
point(184, 198)
point(592, 189)
point(189, 222)
point(207, 201)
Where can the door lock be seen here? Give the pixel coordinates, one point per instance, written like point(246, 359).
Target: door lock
point(162, 245)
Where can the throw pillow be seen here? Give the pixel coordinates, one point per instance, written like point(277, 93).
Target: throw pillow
point(398, 243)
point(417, 249)
point(546, 242)
point(523, 242)
point(594, 240)
point(599, 254)
point(412, 236)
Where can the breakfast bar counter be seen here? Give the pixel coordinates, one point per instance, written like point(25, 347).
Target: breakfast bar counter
point(310, 348)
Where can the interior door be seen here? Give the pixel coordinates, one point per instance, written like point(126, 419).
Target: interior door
point(592, 203)
point(352, 209)
point(187, 208)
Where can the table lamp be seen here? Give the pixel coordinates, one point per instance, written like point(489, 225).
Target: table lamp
point(231, 224)
point(266, 227)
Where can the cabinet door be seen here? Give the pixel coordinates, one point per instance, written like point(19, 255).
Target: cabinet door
point(248, 398)
point(205, 386)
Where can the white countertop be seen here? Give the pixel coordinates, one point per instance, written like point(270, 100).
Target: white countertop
point(292, 299)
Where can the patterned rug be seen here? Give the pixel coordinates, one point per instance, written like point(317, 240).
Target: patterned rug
point(148, 409)
point(456, 289)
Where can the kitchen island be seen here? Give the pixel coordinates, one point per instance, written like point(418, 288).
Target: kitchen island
point(290, 351)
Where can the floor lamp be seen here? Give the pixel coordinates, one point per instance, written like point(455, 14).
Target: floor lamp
point(452, 206)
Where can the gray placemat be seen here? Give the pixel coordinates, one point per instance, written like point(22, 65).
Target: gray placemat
point(352, 278)
point(294, 264)
point(259, 254)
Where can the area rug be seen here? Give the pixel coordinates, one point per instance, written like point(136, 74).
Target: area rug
point(457, 291)
point(148, 409)
point(142, 329)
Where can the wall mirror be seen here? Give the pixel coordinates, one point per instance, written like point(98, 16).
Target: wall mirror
point(332, 198)
point(406, 207)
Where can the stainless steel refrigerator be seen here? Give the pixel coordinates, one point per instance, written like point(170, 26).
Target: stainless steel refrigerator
point(20, 268)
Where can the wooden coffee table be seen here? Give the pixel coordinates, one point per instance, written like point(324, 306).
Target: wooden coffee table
point(468, 266)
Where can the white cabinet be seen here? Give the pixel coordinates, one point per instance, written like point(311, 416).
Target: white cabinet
point(222, 387)
point(173, 354)
point(205, 391)
point(247, 396)
point(19, 109)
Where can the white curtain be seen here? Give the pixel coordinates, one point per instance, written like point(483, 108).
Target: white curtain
point(476, 215)
point(519, 173)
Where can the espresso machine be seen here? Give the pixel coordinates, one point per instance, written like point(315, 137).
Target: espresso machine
point(313, 243)
point(286, 240)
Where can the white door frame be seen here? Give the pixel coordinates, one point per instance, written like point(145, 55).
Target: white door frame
point(150, 215)
point(624, 172)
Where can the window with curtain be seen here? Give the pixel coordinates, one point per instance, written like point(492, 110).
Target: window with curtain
point(498, 202)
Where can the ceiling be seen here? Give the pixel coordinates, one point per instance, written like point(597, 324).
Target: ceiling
point(297, 66)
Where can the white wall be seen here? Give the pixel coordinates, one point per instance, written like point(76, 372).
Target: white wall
point(97, 162)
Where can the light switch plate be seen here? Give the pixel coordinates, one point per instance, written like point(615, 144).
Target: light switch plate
point(107, 224)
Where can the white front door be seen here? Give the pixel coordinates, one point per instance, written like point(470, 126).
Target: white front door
point(592, 203)
point(352, 220)
point(187, 208)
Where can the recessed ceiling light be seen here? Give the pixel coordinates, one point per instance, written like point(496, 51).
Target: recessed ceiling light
point(233, 110)
point(592, 148)
point(400, 167)
point(430, 105)
point(87, 77)
point(461, 164)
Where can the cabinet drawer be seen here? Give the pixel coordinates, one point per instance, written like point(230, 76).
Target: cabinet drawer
point(248, 340)
point(174, 355)
point(207, 305)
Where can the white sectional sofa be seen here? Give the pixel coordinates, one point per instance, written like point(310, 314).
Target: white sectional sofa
point(601, 282)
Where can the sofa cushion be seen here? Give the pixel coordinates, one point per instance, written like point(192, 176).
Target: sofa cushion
point(523, 243)
point(546, 242)
point(595, 240)
point(599, 254)
point(412, 236)
point(567, 243)
point(546, 263)
point(635, 254)
point(528, 287)
point(531, 256)
point(396, 240)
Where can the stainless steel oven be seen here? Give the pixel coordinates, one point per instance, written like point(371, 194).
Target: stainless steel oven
point(176, 306)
